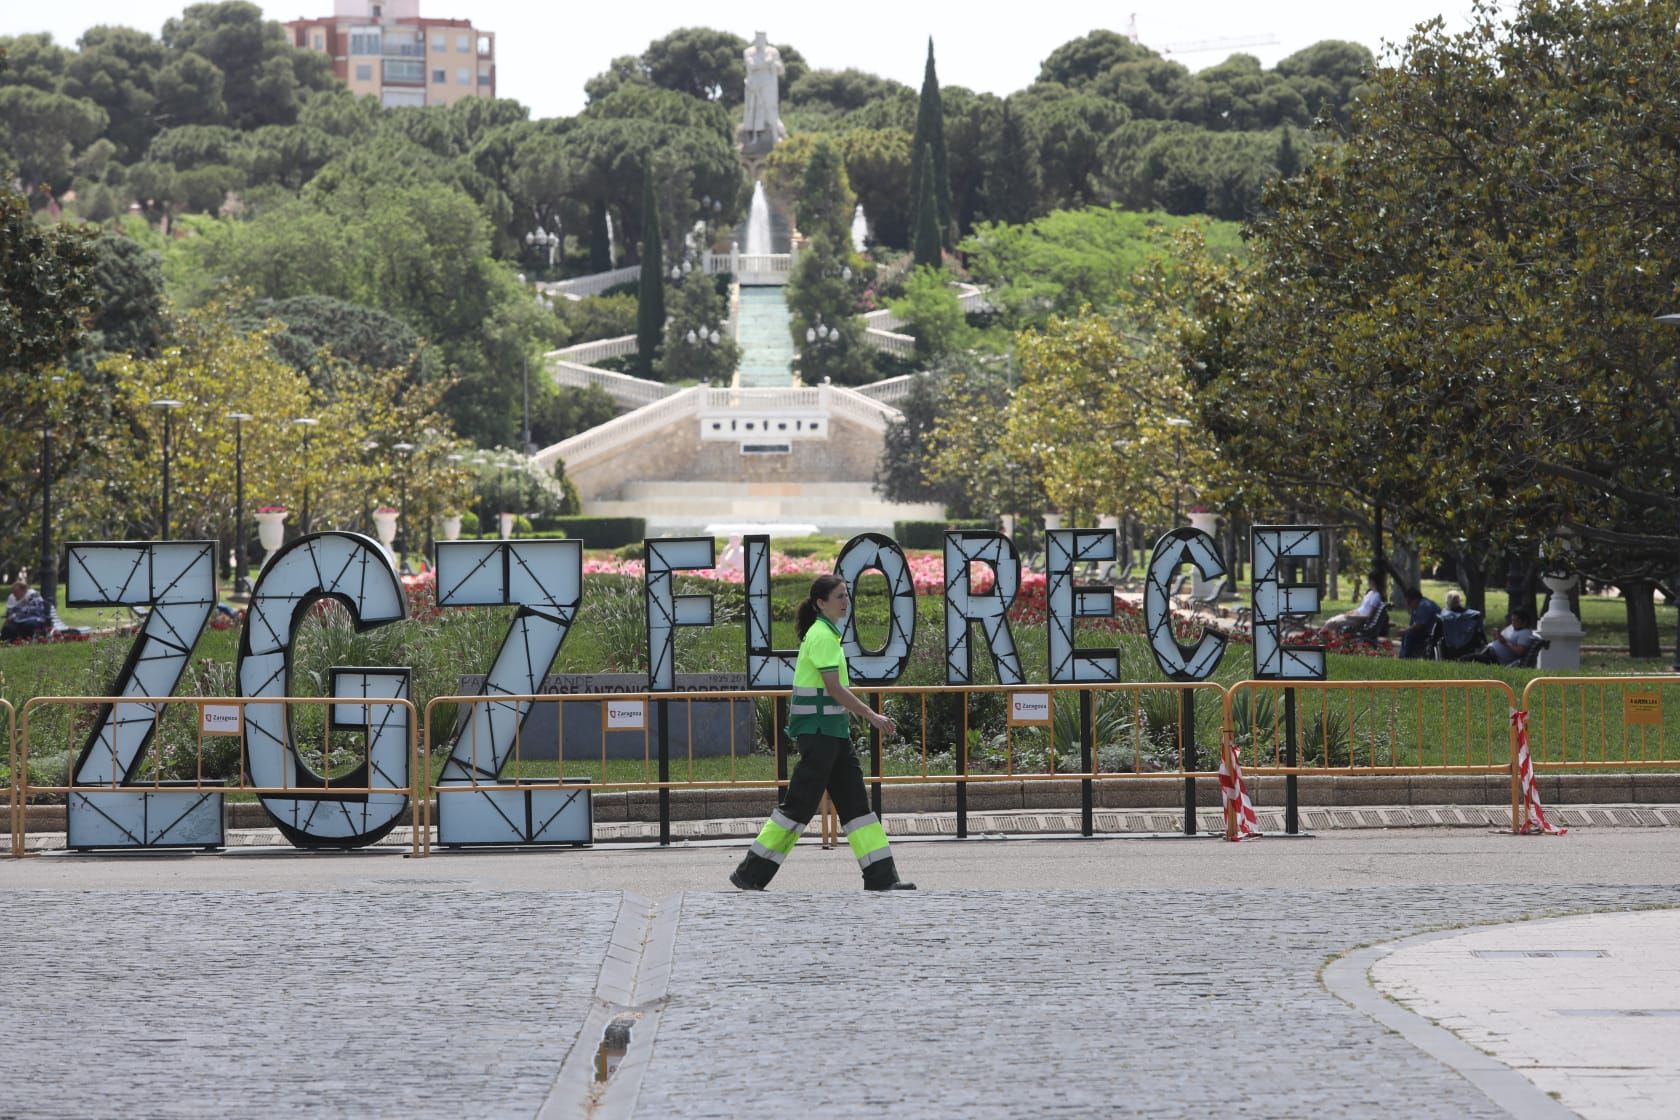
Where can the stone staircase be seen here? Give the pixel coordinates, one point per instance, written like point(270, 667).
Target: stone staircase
point(766, 345)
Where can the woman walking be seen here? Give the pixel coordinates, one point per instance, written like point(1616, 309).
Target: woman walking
point(819, 724)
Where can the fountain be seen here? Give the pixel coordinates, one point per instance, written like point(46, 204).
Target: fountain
point(758, 223)
point(860, 228)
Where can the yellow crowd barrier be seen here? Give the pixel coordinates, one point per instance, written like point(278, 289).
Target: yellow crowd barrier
point(188, 750)
point(1601, 723)
point(959, 735)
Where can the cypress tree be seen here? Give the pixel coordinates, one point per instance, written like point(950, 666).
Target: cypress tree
point(1013, 183)
point(927, 221)
point(927, 159)
point(1288, 162)
point(650, 303)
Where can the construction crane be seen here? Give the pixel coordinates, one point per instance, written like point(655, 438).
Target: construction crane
point(1202, 46)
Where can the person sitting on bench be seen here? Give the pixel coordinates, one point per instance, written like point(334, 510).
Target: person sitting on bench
point(27, 614)
point(1364, 612)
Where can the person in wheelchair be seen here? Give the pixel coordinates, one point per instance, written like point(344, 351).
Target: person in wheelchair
point(1459, 632)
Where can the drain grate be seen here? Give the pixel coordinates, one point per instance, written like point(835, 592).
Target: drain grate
point(1528, 954)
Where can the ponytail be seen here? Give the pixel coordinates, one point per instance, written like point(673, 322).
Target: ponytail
point(806, 617)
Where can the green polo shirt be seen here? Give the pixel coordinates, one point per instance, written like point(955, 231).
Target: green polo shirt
point(812, 711)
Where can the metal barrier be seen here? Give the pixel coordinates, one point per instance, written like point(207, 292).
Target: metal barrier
point(1591, 723)
point(179, 756)
point(1291, 728)
point(572, 746)
point(732, 740)
point(15, 816)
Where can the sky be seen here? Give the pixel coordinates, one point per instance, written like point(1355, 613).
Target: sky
point(545, 53)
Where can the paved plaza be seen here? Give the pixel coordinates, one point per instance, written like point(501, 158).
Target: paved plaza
point(1046, 977)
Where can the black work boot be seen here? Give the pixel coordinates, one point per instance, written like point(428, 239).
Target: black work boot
point(883, 876)
point(753, 873)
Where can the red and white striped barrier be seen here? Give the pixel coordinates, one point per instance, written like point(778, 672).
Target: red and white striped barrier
point(1240, 821)
point(1534, 816)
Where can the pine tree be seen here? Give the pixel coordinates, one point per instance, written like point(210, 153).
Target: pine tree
point(927, 220)
point(650, 305)
point(928, 158)
point(1013, 182)
point(1288, 161)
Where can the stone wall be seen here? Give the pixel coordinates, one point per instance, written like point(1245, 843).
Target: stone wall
point(677, 453)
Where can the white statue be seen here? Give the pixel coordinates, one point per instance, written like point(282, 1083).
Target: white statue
point(761, 123)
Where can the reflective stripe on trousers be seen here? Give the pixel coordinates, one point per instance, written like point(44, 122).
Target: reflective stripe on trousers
point(868, 839)
point(777, 838)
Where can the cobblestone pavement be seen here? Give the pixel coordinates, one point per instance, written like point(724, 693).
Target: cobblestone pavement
point(439, 988)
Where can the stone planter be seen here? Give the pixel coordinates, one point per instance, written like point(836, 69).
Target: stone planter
point(504, 522)
point(1560, 627)
point(450, 526)
point(271, 533)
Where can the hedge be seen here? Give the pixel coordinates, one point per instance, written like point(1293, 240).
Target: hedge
point(931, 534)
point(595, 532)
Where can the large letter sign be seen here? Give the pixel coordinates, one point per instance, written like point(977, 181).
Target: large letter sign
point(1068, 601)
point(991, 611)
point(766, 667)
point(545, 579)
point(874, 552)
point(352, 569)
point(1273, 599)
point(177, 580)
point(667, 611)
point(1179, 662)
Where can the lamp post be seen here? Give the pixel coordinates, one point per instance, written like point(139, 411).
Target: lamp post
point(306, 423)
point(168, 407)
point(405, 450)
point(540, 238)
point(238, 419)
point(48, 578)
point(1177, 423)
point(1673, 319)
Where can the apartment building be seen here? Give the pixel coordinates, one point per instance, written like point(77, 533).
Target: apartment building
point(387, 49)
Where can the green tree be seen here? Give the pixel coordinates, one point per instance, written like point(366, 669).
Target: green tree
point(117, 69)
point(650, 308)
point(701, 62)
point(823, 315)
point(1516, 324)
point(928, 252)
point(933, 313)
point(878, 169)
point(1013, 182)
point(929, 160)
point(46, 288)
point(826, 201)
point(698, 311)
point(263, 76)
point(42, 131)
point(130, 312)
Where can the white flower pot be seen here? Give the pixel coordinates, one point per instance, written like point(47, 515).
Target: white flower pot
point(385, 528)
point(1209, 524)
point(451, 524)
point(504, 521)
point(271, 533)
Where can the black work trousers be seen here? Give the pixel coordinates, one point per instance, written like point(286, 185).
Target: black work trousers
point(826, 762)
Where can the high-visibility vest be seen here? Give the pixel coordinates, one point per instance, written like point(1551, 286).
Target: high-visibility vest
point(812, 711)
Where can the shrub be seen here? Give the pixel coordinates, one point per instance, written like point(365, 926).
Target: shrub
point(931, 534)
point(596, 532)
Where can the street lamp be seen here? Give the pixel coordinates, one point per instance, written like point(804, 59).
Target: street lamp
point(238, 419)
point(542, 239)
point(1672, 320)
point(405, 450)
point(1176, 423)
point(168, 407)
point(48, 578)
point(306, 423)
